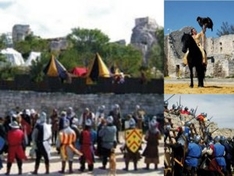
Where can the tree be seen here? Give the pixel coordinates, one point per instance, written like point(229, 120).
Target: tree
point(3, 41)
point(157, 52)
point(31, 43)
point(225, 29)
point(126, 58)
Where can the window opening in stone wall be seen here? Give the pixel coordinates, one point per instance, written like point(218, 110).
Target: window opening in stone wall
point(220, 48)
point(178, 71)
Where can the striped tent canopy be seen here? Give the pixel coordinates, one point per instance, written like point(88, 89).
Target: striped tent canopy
point(96, 69)
point(55, 69)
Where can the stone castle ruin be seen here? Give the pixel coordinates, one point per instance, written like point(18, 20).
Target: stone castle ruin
point(220, 53)
point(143, 36)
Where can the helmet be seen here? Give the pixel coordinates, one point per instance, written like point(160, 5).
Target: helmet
point(187, 123)
point(109, 120)
point(116, 106)
point(173, 106)
point(168, 127)
point(186, 108)
point(204, 114)
point(137, 106)
point(223, 139)
point(165, 103)
point(217, 139)
point(43, 117)
point(197, 139)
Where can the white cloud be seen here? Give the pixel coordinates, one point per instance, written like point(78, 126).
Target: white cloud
point(56, 18)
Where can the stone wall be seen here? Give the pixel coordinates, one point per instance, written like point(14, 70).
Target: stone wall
point(151, 103)
point(220, 52)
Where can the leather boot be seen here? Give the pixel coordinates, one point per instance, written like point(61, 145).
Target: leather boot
point(155, 167)
point(147, 167)
point(47, 167)
point(35, 169)
point(126, 166)
point(90, 166)
point(135, 166)
point(70, 167)
point(63, 167)
point(8, 168)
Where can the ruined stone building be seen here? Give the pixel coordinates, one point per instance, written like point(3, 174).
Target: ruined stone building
point(220, 53)
point(143, 36)
point(20, 31)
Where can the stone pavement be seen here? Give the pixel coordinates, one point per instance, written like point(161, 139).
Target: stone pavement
point(55, 166)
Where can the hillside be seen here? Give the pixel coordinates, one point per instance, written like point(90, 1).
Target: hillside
point(212, 126)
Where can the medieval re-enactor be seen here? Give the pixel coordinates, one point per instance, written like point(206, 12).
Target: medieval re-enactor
point(86, 146)
point(108, 140)
point(15, 139)
point(152, 137)
point(116, 114)
point(3, 146)
point(129, 154)
point(41, 137)
point(55, 125)
point(199, 38)
point(66, 140)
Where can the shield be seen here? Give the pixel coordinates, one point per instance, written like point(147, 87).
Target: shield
point(133, 138)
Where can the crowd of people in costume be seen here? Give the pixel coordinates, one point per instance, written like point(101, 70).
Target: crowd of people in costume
point(191, 148)
point(87, 137)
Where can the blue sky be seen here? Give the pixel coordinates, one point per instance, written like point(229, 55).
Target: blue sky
point(179, 14)
point(53, 18)
point(220, 106)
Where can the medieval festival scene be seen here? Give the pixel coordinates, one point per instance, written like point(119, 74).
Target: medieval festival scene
point(198, 135)
point(81, 88)
point(198, 47)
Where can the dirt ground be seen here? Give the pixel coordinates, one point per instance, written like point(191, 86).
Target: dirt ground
point(212, 86)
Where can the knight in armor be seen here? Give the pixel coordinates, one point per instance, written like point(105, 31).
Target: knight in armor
point(178, 148)
point(70, 114)
point(54, 118)
point(15, 138)
point(108, 140)
point(129, 154)
point(138, 116)
point(151, 152)
point(116, 114)
point(100, 114)
point(87, 140)
point(228, 154)
point(217, 162)
point(41, 137)
point(193, 154)
point(66, 140)
point(166, 106)
point(87, 114)
point(62, 119)
point(26, 124)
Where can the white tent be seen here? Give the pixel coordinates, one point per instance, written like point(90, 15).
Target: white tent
point(14, 57)
point(32, 57)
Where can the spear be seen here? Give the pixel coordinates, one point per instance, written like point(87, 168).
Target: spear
point(169, 97)
point(214, 130)
point(210, 118)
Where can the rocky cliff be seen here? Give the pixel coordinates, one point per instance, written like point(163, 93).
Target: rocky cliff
point(143, 36)
point(211, 126)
